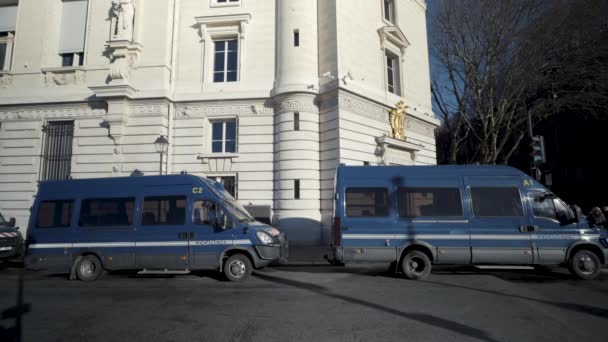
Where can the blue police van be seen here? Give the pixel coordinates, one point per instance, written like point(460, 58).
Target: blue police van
point(174, 223)
point(417, 216)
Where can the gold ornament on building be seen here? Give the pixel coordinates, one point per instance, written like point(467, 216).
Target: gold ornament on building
point(397, 120)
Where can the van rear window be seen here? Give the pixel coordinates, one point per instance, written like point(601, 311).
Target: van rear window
point(496, 202)
point(54, 214)
point(165, 210)
point(429, 202)
point(107, 212)
point(366, 202)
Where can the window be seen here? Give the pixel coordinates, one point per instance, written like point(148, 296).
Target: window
point(393, 74)
point(56, 153)
point(167, 210)
point(204, 212)
point(229, 183)
point(546, 206)
point(72, 59)
point(496, 202)
point(107, 212)
point(296, 189)
point(365, 163)
point(296, 38)
point(223, 136)
point(54, 214)
point(389, 10)
point(429, 202)
point(364, 202)
point(8, 24)
point(73, 32)
point(296, 121)
point(225, 67)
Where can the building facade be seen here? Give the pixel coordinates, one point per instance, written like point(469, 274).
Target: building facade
point(267, 96)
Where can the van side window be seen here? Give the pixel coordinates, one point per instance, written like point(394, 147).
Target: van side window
point(54, 214)
point(547, 207)
point(429, 202)
point(107, 212)
point(542, 206)
point(496, 202)
point(164, 210)
point(366, 202)
point(204, 212)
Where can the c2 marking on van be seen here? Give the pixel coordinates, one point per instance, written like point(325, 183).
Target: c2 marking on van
point(197, 190)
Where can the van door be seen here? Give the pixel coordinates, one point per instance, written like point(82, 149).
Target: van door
point(106, 227)
point(554, 234)
point(369, 229)
point(500, 230)
point(211, 233)
point(431, 210)
point(162, 234)
point(50, 237)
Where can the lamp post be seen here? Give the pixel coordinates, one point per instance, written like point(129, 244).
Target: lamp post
point(162, 146)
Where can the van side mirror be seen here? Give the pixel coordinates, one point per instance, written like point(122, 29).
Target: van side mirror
point(11, 222)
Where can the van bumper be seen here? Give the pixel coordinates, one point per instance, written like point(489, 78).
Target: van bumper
point(270, 253)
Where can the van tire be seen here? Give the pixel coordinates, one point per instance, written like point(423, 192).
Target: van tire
point(416, 265)
point(585, 265)
point(89, 268)
point(237, 268)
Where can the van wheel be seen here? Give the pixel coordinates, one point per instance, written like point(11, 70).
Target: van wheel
point(416, 265)
point(89, 268)
point(585, 265)
point(237, 268)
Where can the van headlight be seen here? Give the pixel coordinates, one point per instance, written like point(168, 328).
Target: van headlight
point(264, 238)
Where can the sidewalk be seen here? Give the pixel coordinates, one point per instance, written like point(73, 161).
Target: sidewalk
point(307, 255)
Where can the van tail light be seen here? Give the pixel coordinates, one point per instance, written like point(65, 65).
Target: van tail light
point(336, 229)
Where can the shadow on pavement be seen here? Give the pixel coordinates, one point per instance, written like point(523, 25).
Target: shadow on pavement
point(587, 309)
point(16, 312)
point(431, 320)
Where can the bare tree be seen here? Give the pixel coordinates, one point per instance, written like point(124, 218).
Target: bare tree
point(502, 62)
point(478, 45)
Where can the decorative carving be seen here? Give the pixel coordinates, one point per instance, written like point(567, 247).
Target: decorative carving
point(122, 23)
point(223, 108)
point(63, 76)
point(45, 113)
point(5, 80)
point(397, 120)
point(124, 57)
point(284, 104)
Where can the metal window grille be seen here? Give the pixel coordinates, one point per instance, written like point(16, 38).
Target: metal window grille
point(56, 157)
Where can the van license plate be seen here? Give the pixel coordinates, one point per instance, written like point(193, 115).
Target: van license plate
point(5, 248)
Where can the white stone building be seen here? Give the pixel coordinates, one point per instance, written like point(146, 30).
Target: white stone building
point(270, 95)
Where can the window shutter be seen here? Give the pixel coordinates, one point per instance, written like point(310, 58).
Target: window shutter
point(73, 26)
point(8, 18)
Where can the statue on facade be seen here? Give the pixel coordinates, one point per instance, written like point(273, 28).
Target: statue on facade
point(122, 26)
point(397, 120)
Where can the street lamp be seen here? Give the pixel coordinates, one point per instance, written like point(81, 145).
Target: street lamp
point(162, 146)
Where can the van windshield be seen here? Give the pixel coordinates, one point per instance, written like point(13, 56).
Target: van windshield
point(231, 204)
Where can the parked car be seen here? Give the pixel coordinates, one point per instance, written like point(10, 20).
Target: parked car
point(166, 224)
point(11, 242)
point(417, 216)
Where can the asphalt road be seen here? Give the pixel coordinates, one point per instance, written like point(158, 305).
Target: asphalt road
point(312, 303)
